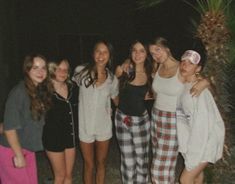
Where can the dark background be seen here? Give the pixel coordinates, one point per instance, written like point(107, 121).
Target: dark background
point(69, 29)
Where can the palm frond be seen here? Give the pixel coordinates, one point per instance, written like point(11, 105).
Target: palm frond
point(202, 6)
point(148, 3)
point(212, 5)
point(192, 5)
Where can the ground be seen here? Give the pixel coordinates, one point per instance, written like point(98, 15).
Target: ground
point(113, 166)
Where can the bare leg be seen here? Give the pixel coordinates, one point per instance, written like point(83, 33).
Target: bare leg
point(69, 162)
point(88, 156)
point(101, 155)
point(57, 160)
point(199, 178)
point(189, 177)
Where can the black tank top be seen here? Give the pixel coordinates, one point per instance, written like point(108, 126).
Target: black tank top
point(131, 99)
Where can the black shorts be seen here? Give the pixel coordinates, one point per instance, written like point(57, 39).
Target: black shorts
point(57, 141)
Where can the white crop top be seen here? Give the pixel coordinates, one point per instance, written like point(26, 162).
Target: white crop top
point(167, 91)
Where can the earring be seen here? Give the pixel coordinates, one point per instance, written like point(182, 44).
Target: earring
point(197, 74)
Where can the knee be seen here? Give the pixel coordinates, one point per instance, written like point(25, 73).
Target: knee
point(60, 178)
point(68, 179)
point(89, 164)
point(69, 176)
point(101, 163)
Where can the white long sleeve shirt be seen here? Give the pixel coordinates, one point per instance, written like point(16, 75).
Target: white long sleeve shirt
point(200, 128)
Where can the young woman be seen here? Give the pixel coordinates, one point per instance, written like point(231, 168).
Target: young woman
point(167, 86)
point(23, 123)
point(132, 120)
point(97, 86)
point(61, 123)
point(200, 128)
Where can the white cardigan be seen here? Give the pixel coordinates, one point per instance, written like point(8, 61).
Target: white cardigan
point(200, 128)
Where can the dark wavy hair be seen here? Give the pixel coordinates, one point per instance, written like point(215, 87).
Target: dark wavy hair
point(88, 76)
point(40, 95)
point(127, 78)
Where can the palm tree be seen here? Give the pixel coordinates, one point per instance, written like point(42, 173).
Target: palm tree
point(215, 35)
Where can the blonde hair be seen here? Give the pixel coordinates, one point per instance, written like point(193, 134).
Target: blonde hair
point(52, 66)
point(51, 69)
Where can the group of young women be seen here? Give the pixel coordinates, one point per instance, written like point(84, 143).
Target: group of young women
point(42, 112)
point(170, 79)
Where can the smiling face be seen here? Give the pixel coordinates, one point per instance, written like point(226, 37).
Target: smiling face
point(38, 71)
point(159, 53)
point(62, 71)
point(101, 55)
point(138, 53)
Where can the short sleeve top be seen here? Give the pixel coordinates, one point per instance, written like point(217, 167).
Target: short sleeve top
point(95, 105)
point(18, 117)
point(61, 120)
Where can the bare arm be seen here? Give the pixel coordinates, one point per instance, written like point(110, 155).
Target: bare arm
point(149, 96)
point(116, 101)
point(13, 141)
point(126, 65)
point(199, 87)
point(119, 71)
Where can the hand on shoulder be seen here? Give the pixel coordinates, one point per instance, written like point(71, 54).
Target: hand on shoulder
point(119, 71)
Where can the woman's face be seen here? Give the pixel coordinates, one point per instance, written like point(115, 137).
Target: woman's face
point(138, 53)
point(158, 53)
point(101, 55)
point(38, 72)
point(187, 68)
point(61, 72)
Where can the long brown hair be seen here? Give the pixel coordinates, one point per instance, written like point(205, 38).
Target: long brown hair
point(127, 78)
point(40, 95)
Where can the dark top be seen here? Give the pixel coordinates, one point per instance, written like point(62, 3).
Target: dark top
point(18, 117)
point(131, 99)
point(61, 127)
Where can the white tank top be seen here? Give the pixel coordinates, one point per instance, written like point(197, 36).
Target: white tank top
point(167, 91)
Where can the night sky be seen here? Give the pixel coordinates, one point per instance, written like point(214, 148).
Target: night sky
point(55, 26)
point(69, 28)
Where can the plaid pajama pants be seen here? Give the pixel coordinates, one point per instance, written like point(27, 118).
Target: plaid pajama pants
point(133, 135)
point(164, 146)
